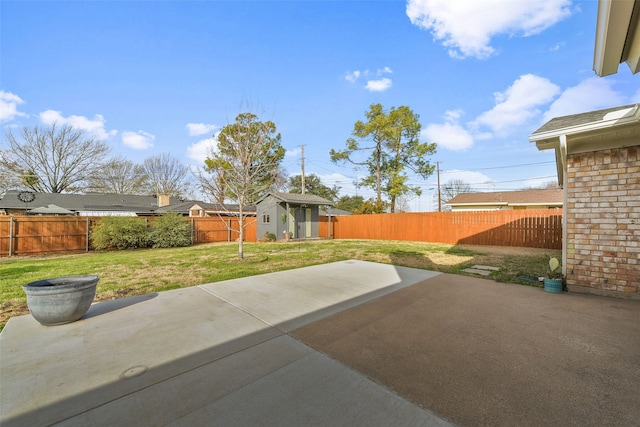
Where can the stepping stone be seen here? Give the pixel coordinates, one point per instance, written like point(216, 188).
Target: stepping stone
point(477, 271)
point(486, 267)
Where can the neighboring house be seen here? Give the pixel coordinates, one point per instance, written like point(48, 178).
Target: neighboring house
point(202, 209)
point(295, 214)
point(598, 163)
point(507, 200)
point(90, 204)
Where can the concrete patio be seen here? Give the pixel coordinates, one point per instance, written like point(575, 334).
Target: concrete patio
point(351, 343)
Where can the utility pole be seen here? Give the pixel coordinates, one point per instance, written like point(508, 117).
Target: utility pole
point(439, 196)
point(302, 176)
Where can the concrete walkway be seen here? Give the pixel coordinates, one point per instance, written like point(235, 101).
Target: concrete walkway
point(351, 343)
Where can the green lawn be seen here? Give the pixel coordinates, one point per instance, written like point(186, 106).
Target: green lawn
point(133, 272)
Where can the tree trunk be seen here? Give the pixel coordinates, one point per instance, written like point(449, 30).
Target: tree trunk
point(241, 233)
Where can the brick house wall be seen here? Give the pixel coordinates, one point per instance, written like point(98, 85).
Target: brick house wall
point(603, 222)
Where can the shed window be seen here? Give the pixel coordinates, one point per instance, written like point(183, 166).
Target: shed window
point(266, 219)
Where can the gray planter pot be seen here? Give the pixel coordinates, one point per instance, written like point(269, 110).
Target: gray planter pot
point(62, 299)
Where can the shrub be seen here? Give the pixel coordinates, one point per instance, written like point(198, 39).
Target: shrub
point(268, 237)
point(170, 230)
point(120, 232)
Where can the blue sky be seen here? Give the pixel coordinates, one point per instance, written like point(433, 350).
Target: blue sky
point(163, 76)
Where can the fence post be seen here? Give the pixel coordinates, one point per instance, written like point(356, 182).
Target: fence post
point(193, 229)
point(87, 241)
point(10, 236)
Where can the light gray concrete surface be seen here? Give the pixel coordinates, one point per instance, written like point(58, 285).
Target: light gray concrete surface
point(209, 355)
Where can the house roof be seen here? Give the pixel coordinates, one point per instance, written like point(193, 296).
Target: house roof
point(617, 37)
point(591, 131)
point(94, 202)
point(220, 208)
point(577, 120)
point(302, 199)
point(552, 196)
point(51, 210)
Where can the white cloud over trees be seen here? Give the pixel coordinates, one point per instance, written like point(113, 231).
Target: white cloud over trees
point(9, 106)
point(94, 127)
point(196, 129)
point(139, 140)
point(467, 27)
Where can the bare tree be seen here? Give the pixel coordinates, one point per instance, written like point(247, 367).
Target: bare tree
point(53, 159)
point(166, 175)
point(8, 179)
point(453, 187)
point(119, 176)
point(244, 167)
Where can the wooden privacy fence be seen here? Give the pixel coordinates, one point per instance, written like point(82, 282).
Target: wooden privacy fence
point(32, 235)
point(524, 228)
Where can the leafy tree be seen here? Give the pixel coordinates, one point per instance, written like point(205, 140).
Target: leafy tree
point(166, 175)
point(395, 146)
point(53, 159)
point(120, 176)
point(372, 206)
point(350, 203)
point(313, 185)
point(245, 166)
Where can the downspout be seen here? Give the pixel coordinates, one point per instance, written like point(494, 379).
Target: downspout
point(563, 162)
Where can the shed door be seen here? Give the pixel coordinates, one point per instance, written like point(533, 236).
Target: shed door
point(307, 221)
point(292, 223)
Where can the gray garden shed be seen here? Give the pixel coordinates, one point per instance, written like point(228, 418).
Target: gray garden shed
point(295, 214)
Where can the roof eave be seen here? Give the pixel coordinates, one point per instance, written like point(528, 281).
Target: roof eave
point(614, 35)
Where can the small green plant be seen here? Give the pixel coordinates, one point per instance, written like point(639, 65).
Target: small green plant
point(170, 230)
point(120, 232)
point(554, 269)
point(269, 237)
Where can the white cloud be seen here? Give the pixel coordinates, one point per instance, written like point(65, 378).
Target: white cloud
point(202, 149)
point(374, 85)
point(140, 140)
point(196, 129)
point(9, 106)
point(518, 104)
point(451, 136)
point(94, 126)
point(352, 76)
point(293, 153)
point(466, 27)
point(591, 94)
point(477, 180)
point(378, 85)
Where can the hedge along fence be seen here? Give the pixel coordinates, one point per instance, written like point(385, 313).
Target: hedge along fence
point(33, 235)
point(540, 228)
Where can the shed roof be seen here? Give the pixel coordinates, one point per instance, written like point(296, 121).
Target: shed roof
point(303, 199)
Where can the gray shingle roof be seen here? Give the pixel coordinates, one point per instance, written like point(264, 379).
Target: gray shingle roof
point(86, 202)
point(578, 119)
point(523, 197)
point(310, 199)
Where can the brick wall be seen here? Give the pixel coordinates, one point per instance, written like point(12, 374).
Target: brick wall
point(603, 222)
